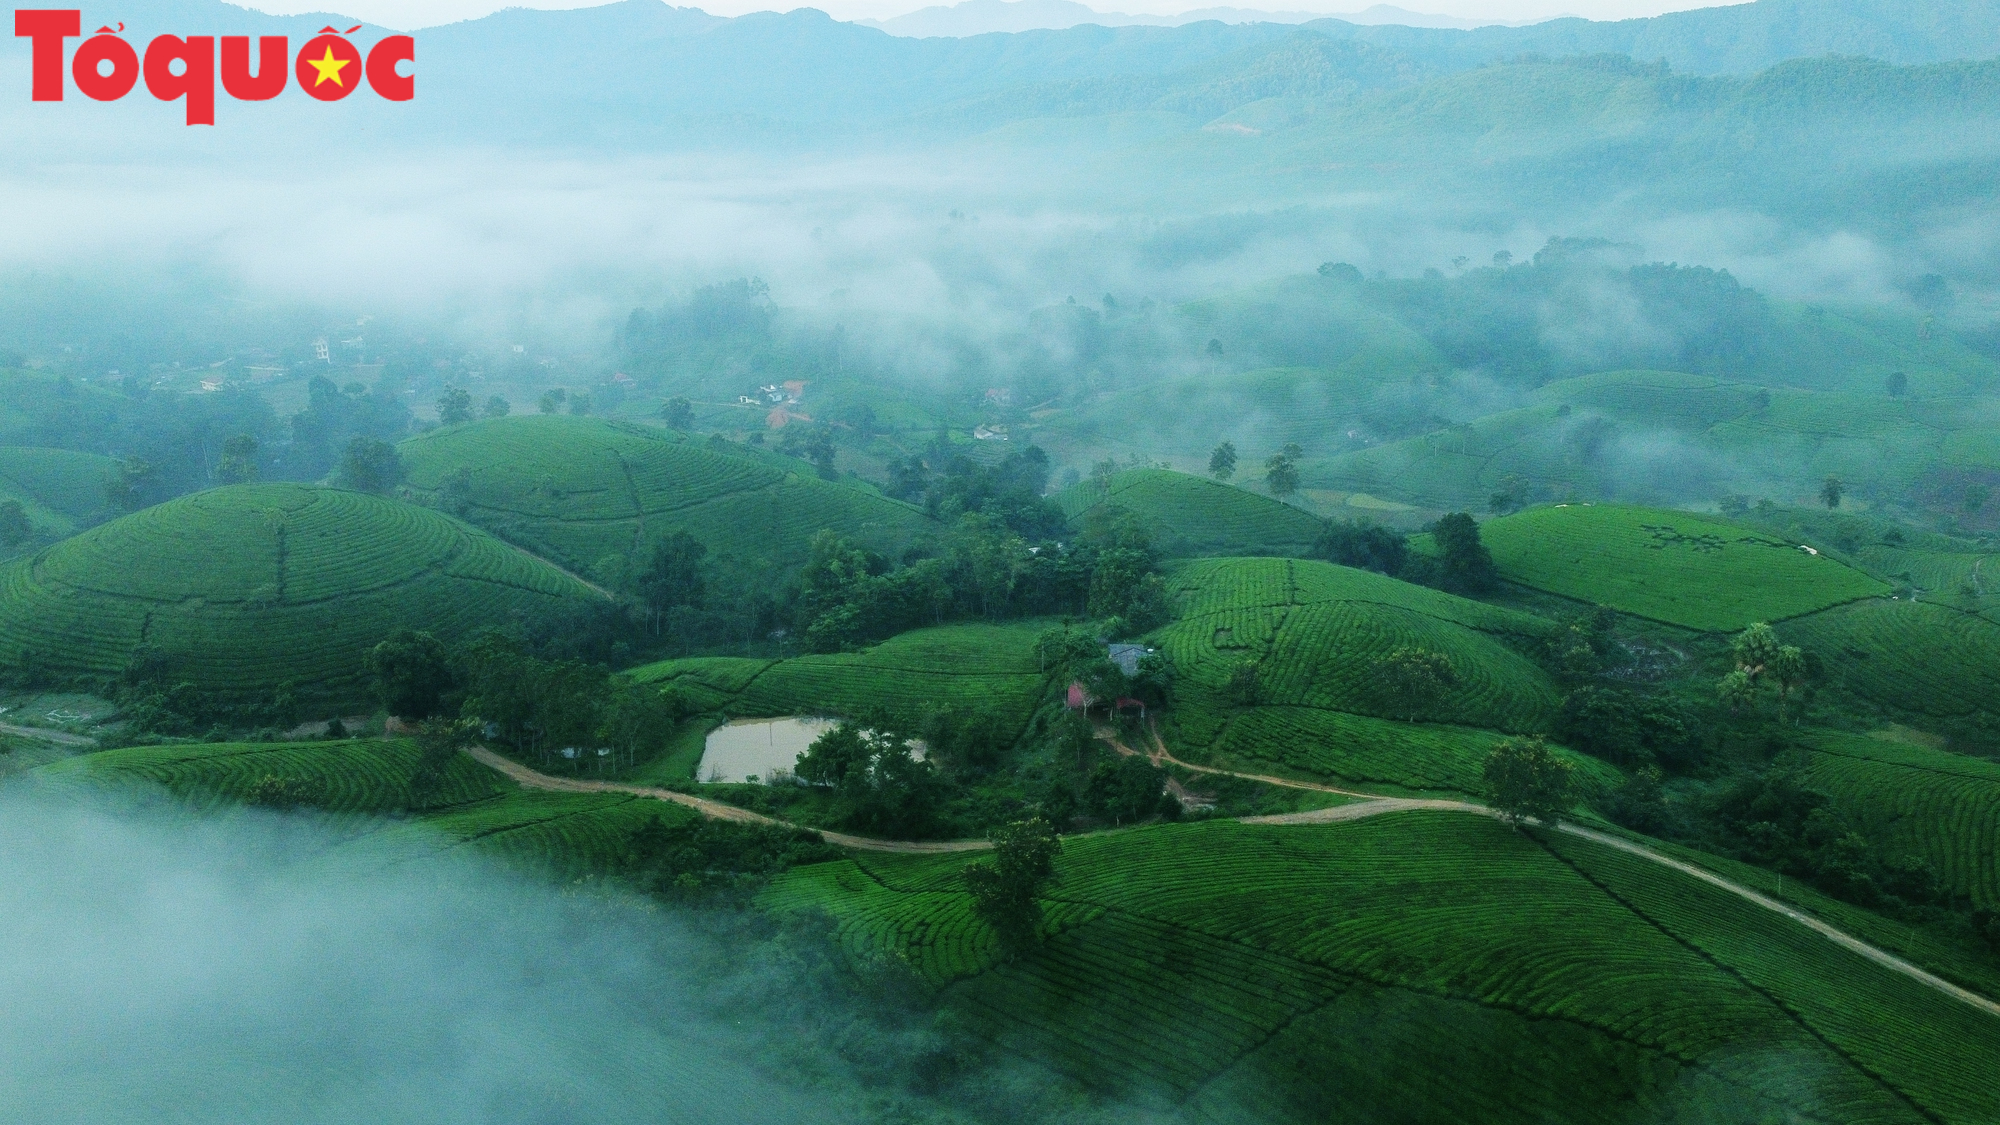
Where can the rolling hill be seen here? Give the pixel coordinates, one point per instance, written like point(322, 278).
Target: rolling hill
point(580, 490)
point(1187, 515)
point(56, 487)
point(1669, 436)
point(249, 587)
point(1314, 633)
point(988, 669)
point(1669, 566)
point(1906, 655)
point(1920, 801)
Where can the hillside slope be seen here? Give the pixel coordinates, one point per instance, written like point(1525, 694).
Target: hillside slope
point(1670, 566)
point(1279, 660)
point(579, 490)
point(250, 587)
point(1223, 972)
point(1187, 515)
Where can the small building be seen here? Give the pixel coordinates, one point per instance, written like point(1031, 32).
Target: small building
point(1078, 699)
point(1127, 657)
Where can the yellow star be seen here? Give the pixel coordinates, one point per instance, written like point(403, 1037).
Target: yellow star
point(329, 69)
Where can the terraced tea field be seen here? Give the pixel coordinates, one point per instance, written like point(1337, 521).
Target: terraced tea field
point(1911, 656)
point(1237, 972)
point(1361, 750)
point(578, 489)
point(252, 586)
point(1317, 632)
point(1919, 801)
point(990, 669)
point(1189, 515)
point(564, 835)
point(354, 776)
point(1669, 566)
point(55, 486)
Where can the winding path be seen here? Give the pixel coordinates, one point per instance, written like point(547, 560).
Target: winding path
point(715, 810)
point(1368, 805)
point(44, 734)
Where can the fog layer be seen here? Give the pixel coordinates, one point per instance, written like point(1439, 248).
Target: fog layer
point(229, 971)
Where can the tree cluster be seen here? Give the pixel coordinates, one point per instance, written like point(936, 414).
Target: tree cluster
point(560, 711)
point(1004, 891)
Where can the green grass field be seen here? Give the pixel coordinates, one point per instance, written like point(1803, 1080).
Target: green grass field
point(990, 669)
point(251, 586)
point(578, 490)
point(1919, 801)
point(1910, 656)
point(1668, 566)
point(1226, 972)
point(1317, 630)
point(1189, 515)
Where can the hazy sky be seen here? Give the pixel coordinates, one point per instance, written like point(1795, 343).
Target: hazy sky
point(426, 13)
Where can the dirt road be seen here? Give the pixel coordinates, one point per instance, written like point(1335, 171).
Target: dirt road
point(1374, 806)
point(714, 809)
point(1369, 805)
point(60, 738)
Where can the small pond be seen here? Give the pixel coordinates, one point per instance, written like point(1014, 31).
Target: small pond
point(756, 748)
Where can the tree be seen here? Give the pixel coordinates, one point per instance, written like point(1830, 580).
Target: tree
point(14, 526)
point(1364, 545)
point(677, 413)
point(1788, 670)
point(1464, 564)
point(579, 402)
point(552, 400)
point(1754, 649)
point(882, 786)
point(370, 465)
point(136, 485)
point(454, 406)
point(1222, 462)
point(413, 673)
point(497, 407)
point(814, 443)
point(1004, 891)
point(1976, 496)
point(439, 741)
point(638, 718)
point(1898, 384)
point(1413, 680)
point(1281, 471)
point(1830, 492)
point(1525, 779)
point(673, 575)
point(239, 460)
point(1736, 689)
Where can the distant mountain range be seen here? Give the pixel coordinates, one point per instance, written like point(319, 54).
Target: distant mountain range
point(641, 75)
point(983, 17)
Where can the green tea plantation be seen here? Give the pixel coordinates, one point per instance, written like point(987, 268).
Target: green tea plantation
point(579, 490)
point(249, 587)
